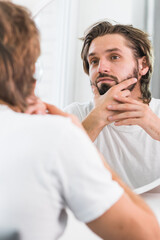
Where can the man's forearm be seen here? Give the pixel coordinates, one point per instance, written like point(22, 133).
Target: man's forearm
point(92, 131)
point(93, 124)
point(153, 127)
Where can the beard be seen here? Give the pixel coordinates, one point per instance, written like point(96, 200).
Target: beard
point(104, 87)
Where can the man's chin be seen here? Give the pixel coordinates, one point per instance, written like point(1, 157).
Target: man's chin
point(103, 88)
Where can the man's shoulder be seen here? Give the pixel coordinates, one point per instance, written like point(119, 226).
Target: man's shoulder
point(50, 122)
point(80, 105)
point(155, 101)
point(81, 110)
point(155, 106)
point(39, 125)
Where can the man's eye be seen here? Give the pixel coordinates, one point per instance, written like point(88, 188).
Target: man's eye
point(93, 61)
point(115, 57)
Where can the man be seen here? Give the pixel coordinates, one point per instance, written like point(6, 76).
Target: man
point(123, 120)
point(45, 161)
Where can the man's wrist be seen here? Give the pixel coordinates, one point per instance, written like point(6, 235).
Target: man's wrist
point(93, 125)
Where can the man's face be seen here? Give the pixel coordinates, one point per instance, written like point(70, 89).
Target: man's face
point(111, 61)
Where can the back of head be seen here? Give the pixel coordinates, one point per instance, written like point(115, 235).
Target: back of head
point(19, 50)
point(136, 39)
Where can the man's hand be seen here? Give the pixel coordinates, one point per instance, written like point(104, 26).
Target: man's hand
point(133, 112)
point(98, 117)
point(35, 106)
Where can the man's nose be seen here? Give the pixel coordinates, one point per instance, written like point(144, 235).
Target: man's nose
point(103, 66)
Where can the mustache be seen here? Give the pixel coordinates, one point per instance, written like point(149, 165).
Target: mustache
point(101, 75)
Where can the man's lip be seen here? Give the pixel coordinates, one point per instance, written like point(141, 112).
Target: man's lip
point(105, 80)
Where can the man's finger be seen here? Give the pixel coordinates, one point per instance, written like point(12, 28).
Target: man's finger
point(54, 110)
point(126, 100)
point(126, 83)
point(125, 93)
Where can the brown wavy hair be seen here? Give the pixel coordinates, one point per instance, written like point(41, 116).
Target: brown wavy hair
point(19, 50)
point(137, 40)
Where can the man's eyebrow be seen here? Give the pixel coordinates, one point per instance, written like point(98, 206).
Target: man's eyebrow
point(113, 50)
point(108, 50)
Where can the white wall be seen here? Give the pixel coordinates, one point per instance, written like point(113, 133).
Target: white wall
point(34, 5)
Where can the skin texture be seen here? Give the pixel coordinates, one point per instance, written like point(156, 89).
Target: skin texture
point(110, 56)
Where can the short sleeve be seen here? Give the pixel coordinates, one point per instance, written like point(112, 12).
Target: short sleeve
point(73, 108)
point(87, 186)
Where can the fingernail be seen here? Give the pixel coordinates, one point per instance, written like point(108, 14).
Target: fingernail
point(110, 118)
point(109, 106)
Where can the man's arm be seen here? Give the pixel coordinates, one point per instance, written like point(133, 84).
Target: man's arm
point(133, 112)
point(129, 218)
point(125, 221)
point(97, 119)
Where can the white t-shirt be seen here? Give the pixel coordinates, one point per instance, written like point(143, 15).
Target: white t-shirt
point(129, 150)
point(46, 165)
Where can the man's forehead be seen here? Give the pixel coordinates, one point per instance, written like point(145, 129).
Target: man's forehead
point(108, 50)
point(108, 43)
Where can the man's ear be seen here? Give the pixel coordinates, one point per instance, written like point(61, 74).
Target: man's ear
point(143, 66)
